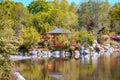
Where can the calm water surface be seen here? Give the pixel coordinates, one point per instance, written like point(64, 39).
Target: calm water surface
point(103, 68)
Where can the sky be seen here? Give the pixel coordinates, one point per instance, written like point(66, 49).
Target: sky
point(27, 2)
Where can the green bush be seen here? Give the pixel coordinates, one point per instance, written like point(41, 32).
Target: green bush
point(7, 47)
point(29, 37)
point(82, 37)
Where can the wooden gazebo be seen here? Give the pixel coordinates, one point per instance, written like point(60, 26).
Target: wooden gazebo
point(58, 31)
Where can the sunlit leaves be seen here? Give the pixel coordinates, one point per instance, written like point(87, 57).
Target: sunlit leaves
point(6, 30)
point(29, 37)
point(92, 15)
point(20, 12)
point(63, 40)
point(83, 37)
point(55, 14)
point(41, 22)
point(6, 9)
point(115, 12)
point(115, 17)
point(38, 6)
point(7, 47)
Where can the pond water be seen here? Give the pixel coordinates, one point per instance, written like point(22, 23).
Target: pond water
point(103, 68)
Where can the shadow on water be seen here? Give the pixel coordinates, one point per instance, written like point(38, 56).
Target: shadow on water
point(105, 68)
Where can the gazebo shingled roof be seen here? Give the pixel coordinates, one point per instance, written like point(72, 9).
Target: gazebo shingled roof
point(59, 31)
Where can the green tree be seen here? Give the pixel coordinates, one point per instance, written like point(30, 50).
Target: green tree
point(115, 17)
point(40, 21)
point(62, 14)
point(29, 37)
point(38, 6)
point(6, 29)
point(49, 15)
point(91, 16)
point(14, 12)
point(8, 46)
point(20, 18)
point(82, 37)
point(115, 12)
point(40, 18)
point(6, 9)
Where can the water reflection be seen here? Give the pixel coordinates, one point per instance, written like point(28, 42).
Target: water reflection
point(103, 68)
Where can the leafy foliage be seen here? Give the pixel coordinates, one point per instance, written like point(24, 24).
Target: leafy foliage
point(6, 30)
point(51, 15)
point(7, 48)
point(115, 12)
point(16, 21)
point(115, 17)
point(38, 6)
point(92, 15)
point(63, 14)
point(29, 37)
point(83, 37)
point(63, 40)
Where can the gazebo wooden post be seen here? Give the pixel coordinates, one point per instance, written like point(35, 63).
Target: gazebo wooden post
point(55, 40)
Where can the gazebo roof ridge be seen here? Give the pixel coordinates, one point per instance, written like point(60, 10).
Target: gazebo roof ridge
point(59, 30)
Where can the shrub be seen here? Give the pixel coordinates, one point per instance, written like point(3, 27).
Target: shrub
point(82, 37)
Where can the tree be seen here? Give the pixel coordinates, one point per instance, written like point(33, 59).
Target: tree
point(62, 14)
point(115, 17)
point(6, 29)
point(40, 18)
point(115, 12)
point(29, 37)
point(14, 12)
point(38, 6)
point(41, 22)
point(20, 18)
point(52, 14)
point(6, 8)
point(8, 45)
point(91, 16)
point(83, 37)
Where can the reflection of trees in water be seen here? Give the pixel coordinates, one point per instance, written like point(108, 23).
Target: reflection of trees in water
point(32, 71)
point(115, 69)
point(106, 69)
point(102, 71)
point(57, 63)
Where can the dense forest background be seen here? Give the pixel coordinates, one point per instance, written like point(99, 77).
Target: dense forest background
point(23, 25)
point(27, 23)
